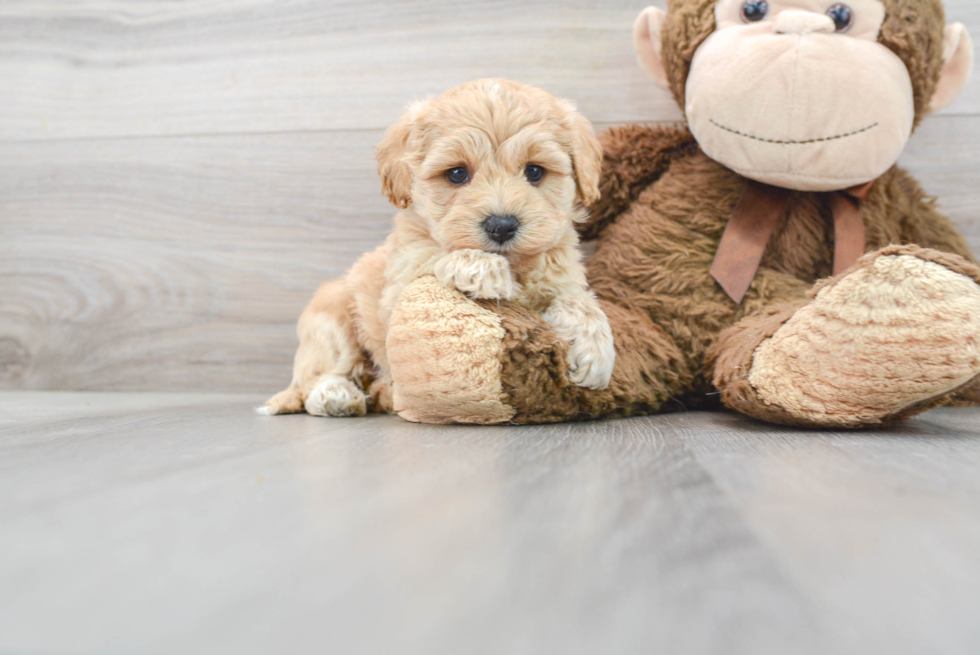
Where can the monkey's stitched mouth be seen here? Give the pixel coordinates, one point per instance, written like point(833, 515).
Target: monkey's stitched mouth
point(836, 137)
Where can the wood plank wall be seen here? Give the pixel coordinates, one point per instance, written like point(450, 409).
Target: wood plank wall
point(176, 177)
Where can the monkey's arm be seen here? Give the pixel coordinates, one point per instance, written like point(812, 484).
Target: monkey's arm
point(634, 156)
point(920, 222)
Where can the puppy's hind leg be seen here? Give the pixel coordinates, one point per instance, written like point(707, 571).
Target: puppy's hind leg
point(287, 401)
point(327, 362)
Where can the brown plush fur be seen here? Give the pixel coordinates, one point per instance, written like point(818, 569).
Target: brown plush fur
point(671, 320)
point(653, 259)
point(680, 341)
point(534, 375)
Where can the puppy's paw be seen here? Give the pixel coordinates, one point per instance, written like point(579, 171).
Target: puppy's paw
point(591, 359)
point(337, 396)
point(478, 274)
point(591, 351)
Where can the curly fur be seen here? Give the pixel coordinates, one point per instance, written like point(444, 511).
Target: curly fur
point(495, 129)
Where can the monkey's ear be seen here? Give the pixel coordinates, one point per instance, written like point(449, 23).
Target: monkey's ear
point(647, 33)
point(958, 57)
point(586, 154)
point(392, 155)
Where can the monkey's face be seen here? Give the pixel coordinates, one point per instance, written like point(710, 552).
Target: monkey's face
point(800, 94)
point(814, 95)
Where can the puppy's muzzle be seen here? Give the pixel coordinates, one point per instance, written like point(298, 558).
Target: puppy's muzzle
point(501, 229)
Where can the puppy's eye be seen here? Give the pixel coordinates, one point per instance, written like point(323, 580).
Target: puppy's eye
point(534, 173)
point(842, 16)
point(458, 176)
point(755, 10)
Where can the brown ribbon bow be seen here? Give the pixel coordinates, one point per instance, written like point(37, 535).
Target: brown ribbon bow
point(755, 219)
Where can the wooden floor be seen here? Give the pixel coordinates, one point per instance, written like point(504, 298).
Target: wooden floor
point(176, 178)
point(187, 524)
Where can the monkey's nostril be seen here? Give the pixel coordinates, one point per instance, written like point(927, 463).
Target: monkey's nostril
point(501, 228)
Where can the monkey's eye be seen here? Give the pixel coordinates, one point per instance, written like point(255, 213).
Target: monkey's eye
point(534, 173)
point(755, 10)
point(842, 16)
point(458, 176)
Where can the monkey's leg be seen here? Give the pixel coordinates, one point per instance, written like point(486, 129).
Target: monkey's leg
point(457, 361)
point(896, 335)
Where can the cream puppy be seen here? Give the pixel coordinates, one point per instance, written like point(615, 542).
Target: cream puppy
point(491, 178)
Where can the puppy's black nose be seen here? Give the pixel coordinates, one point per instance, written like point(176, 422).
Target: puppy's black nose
point(501, 228)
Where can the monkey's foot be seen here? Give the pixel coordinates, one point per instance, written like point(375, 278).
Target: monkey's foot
point(892, 337)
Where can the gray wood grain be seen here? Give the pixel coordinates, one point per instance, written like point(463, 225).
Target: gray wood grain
point(884, 519)
point(174, 264)
point(89, 68)
point(162, 524)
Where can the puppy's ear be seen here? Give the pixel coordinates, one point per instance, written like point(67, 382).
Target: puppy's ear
point(586, 154)
point(393, 153)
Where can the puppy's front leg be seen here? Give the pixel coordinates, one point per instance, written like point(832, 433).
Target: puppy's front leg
point(577, 319)
point(476, 273)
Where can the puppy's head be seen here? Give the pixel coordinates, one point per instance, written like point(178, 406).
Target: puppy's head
point(493, 165)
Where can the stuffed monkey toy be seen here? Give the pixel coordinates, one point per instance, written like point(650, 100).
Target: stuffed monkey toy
point(769, 257)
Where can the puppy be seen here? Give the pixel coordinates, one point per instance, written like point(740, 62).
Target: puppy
point(490, 178)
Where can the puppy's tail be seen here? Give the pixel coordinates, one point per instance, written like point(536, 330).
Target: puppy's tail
point(289, 401)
